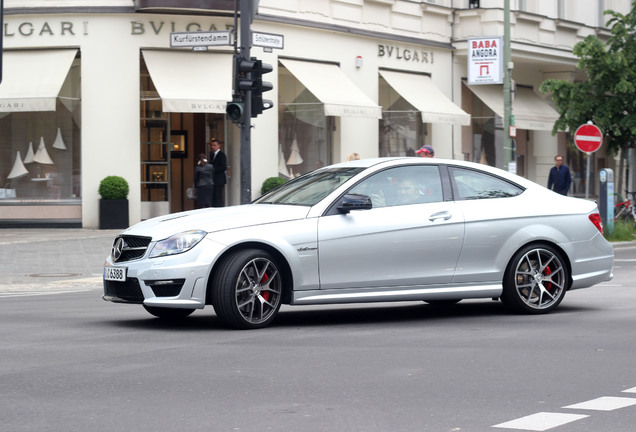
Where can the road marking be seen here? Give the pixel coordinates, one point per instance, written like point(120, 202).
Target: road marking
point(547, 420)
point(51, 287)
point(37, 293)
point(605, 403)
point(541, 421)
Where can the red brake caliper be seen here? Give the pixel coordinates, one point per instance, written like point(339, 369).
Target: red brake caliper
point(547, 272)
point(265, 294)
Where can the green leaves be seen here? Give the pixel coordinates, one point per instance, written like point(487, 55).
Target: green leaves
point(608, 97)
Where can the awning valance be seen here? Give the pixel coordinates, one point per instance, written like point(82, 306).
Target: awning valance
point(31, 80)
point(339, 95)
point(191, 81)
point(421, 92)
point(529, 110)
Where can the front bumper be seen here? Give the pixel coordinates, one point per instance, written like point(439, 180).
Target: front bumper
point(176, 281)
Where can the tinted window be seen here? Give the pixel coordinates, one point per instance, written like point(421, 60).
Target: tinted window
point(402, 186)
point(469, 184)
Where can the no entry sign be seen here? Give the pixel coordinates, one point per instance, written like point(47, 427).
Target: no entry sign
point(588, 138)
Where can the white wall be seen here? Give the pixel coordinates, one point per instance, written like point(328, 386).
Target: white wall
point(110, 114)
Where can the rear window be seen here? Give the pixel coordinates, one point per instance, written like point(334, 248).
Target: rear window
point(471, 185)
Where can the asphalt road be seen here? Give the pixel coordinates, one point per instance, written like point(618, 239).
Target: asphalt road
point(72, 362)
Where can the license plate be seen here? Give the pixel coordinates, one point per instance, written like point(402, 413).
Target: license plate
point(117, 274)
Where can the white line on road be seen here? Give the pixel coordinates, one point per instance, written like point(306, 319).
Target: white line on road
point(547, 420)
point(50, 287)
point(541, 421)
point(605, 403)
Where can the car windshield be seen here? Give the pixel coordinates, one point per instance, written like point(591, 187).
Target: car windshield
point(309, 189)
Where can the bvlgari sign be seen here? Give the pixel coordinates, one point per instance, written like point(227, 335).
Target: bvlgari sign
point(485, 60)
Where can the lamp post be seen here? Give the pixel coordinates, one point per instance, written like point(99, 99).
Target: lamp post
point(509, 158)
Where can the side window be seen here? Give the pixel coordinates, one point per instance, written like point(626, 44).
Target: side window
point(402, 186)
point(470, 185)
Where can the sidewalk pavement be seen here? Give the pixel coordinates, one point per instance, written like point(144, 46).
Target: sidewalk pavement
point(45, 260)
point(38, 260)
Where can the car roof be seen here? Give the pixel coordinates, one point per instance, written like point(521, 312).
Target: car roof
point(379, 163)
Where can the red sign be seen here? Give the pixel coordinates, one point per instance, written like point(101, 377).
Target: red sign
point(588, 138)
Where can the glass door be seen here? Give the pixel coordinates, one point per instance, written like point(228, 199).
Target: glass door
point(155, 142)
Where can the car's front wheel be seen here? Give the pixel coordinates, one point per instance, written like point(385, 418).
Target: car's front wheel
point(247, 290)
point(536, 280)
point(168, 313)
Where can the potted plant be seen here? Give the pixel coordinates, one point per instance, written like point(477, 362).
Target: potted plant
point(271, 183)
point(113, 205)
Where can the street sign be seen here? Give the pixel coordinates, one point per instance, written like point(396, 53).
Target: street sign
point(200, 39)
point(588, 138)
point(268, 40)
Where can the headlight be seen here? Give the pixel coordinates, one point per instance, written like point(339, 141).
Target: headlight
point(177, 244)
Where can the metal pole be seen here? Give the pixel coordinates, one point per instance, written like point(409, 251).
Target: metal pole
point(246, 125)
point(509, 151)
point(587, 176)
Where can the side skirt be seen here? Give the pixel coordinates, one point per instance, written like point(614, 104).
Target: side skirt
point(380, 294)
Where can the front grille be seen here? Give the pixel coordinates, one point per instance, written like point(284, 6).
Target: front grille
point(128, 291)
point(169, 288)
point(134, 247)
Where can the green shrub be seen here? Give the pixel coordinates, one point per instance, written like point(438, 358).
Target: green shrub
point(271, 183)
point(623, 231)
point(113, 187)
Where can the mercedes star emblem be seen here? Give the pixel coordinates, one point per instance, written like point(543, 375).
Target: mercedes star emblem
point(118, 248)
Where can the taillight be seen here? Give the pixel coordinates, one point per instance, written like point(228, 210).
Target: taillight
point(595, 218)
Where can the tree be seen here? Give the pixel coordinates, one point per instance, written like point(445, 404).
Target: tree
point(608, 97)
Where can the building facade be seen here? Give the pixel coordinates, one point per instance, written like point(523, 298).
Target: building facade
point(94, 88)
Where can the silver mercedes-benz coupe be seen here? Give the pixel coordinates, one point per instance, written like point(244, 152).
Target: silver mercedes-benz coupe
point(371, 230)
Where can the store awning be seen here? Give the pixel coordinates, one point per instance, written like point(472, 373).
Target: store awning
point(529, 110)
point(31, 80)
point(421, 92)
point(191, 81)
point(339, 95)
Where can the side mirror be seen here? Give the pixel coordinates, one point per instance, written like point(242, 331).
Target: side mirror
point(355, 202)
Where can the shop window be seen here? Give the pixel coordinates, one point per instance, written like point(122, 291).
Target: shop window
point(40, 151)
point(487, 142)
point(401, 129)
point(156, 148)
point(305, 132)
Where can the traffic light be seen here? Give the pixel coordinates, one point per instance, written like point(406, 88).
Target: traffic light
point(248, 78)
point(234, 109)
point(242, 84)
point(258, 103)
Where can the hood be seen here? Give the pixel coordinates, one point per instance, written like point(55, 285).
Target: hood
point(216, 219)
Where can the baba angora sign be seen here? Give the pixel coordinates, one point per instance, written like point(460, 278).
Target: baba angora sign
point(485, 60)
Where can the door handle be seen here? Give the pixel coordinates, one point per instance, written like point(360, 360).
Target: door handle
point(443, 215)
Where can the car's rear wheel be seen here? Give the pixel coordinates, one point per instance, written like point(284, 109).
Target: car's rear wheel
point(168, 313)
point(248, 288)
point(536, 280)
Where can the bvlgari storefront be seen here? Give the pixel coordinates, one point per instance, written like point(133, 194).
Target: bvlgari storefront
point(88, 96)
point(40, 137)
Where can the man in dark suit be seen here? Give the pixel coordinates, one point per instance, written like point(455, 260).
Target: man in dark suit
point(559, 179)
point(219, 162)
